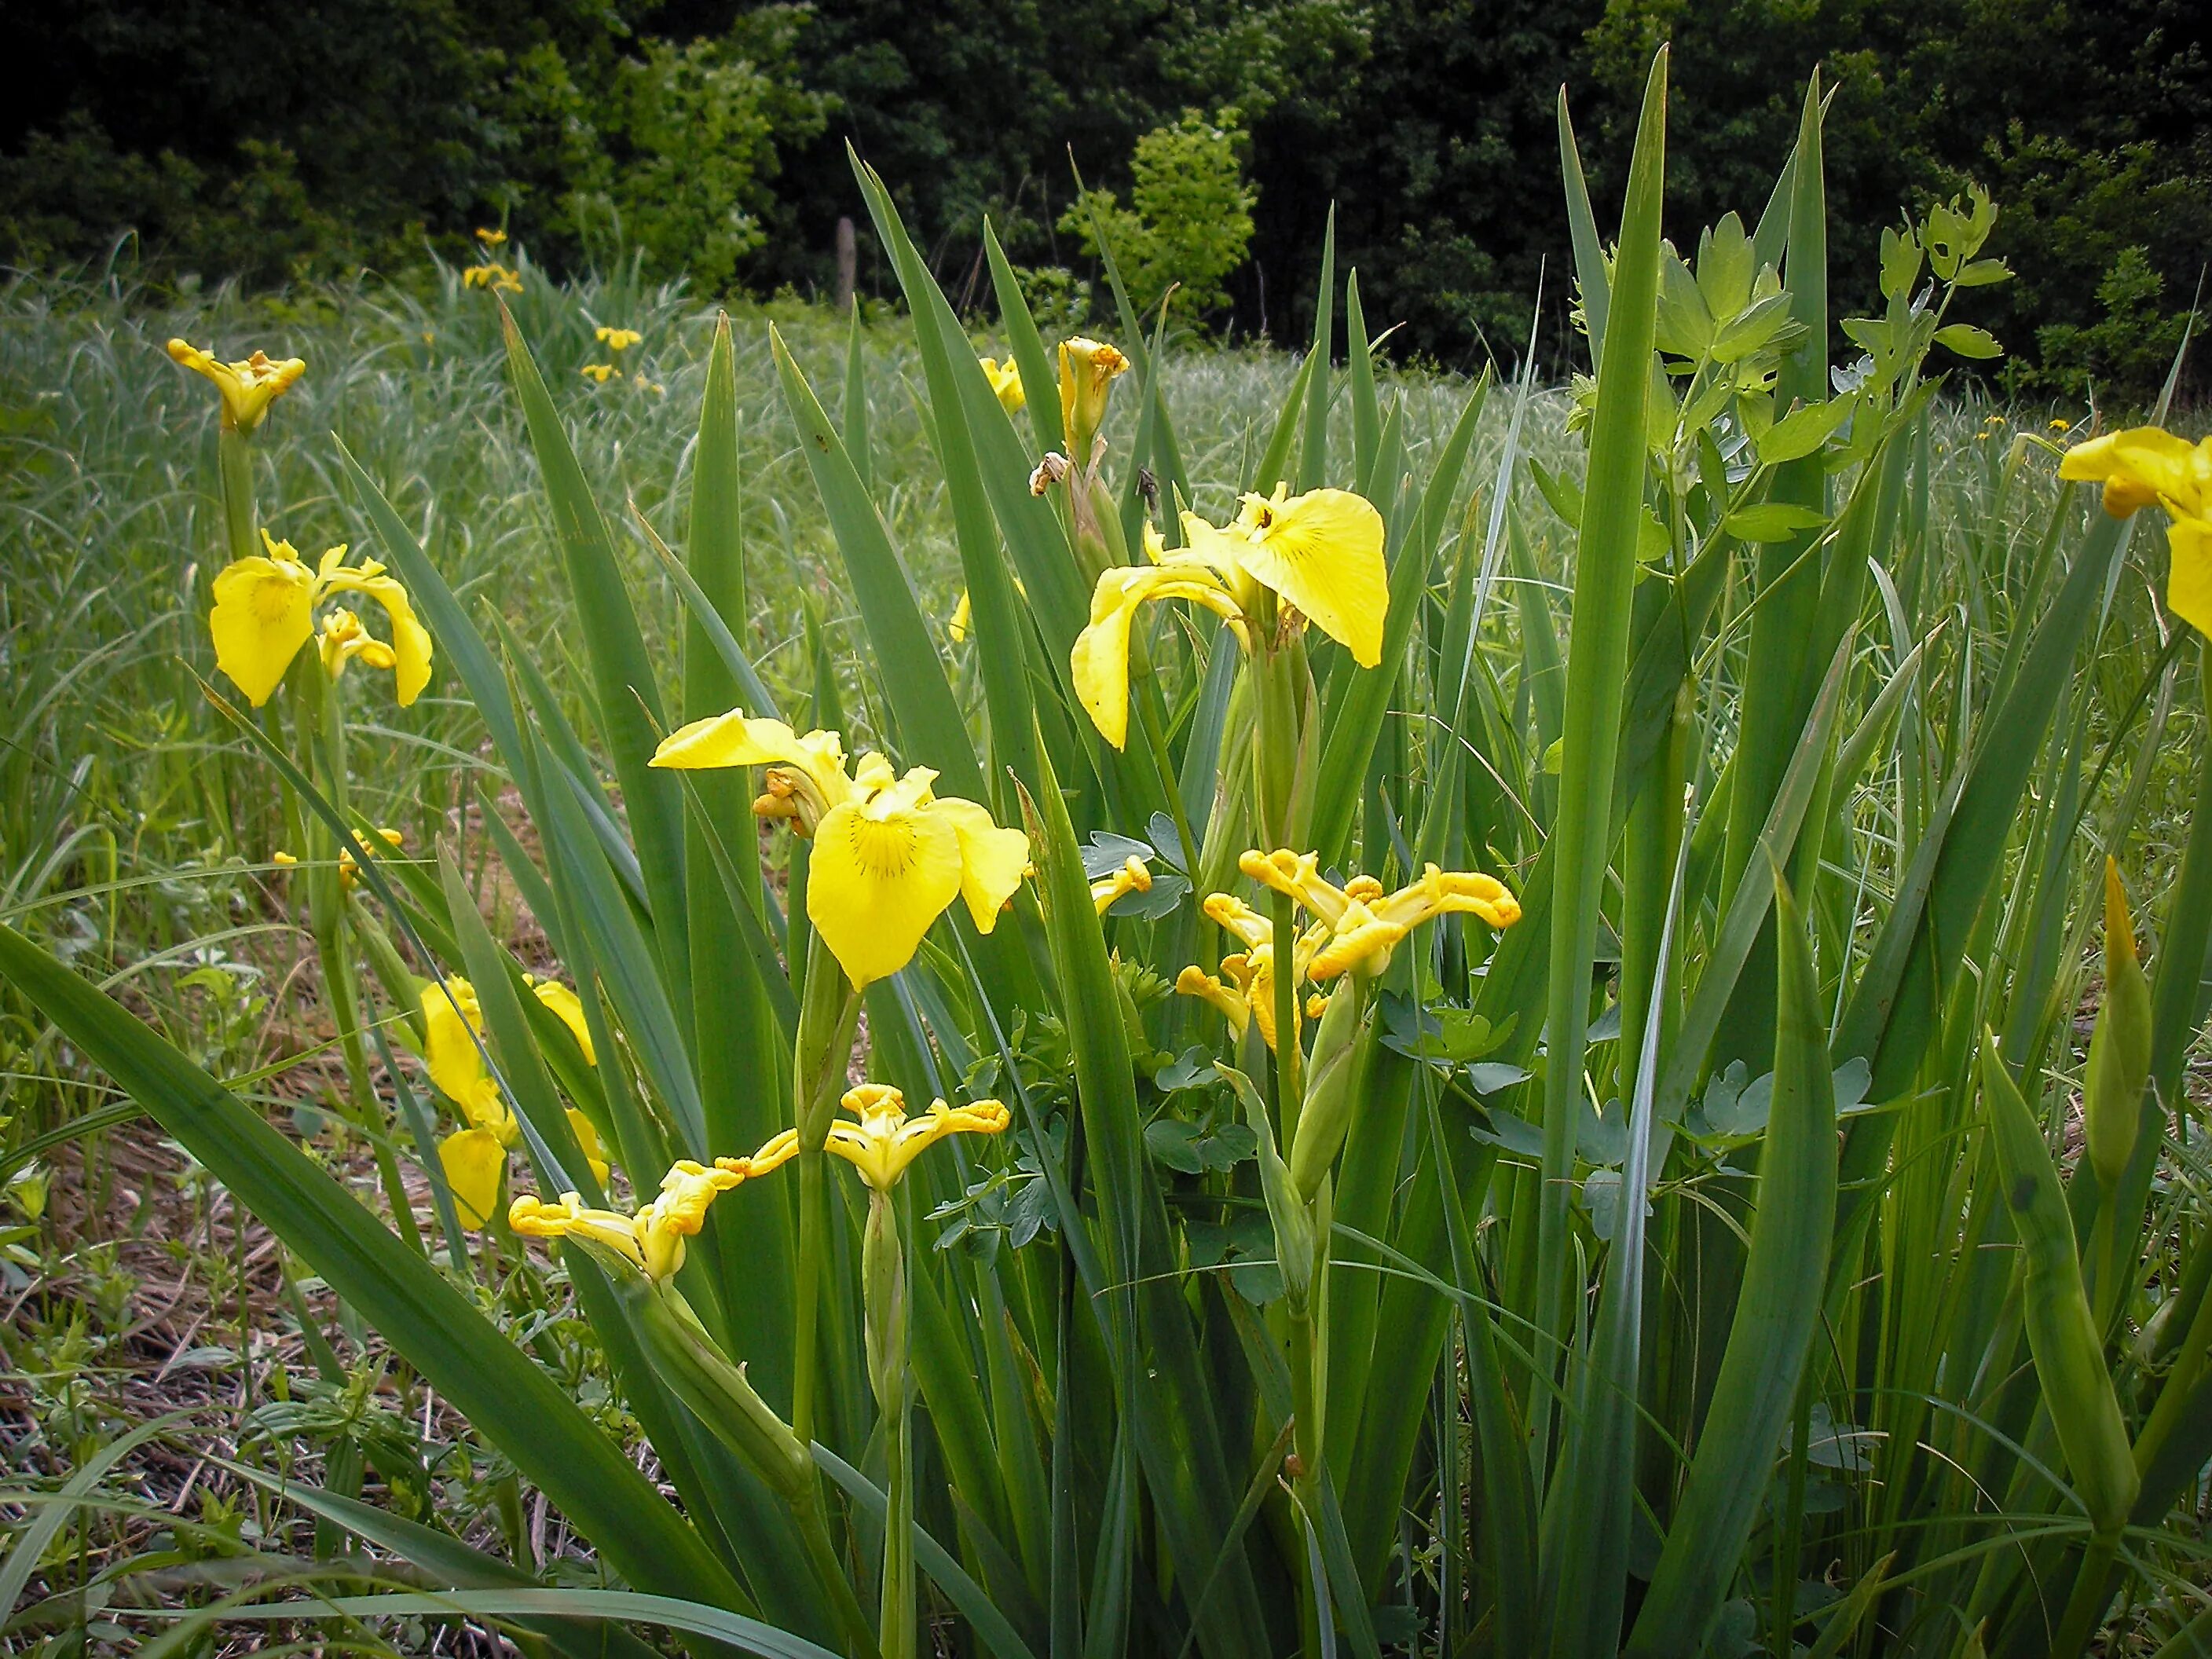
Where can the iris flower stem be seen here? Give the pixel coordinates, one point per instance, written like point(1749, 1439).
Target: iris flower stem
point(1290, 1067)
point(2086, 1606)
point(884, 1278)
point(806, 1342)
point(234, 462)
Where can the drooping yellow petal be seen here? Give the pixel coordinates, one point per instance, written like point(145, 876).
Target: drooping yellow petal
point(1195, 982)
point(653, 1238)
point(587, 1136)
point(263, 613)
point(815, 762)
point(2140, 465)
point(410, 641)
point(2188, 574)
point(1323, 552)
point(881, 872)
point(475, 1162)
point(449, 1049)
point(1100, 660)
point(565, 1003)
point(1134, 877)
point(533, 1217)
point(992, 861)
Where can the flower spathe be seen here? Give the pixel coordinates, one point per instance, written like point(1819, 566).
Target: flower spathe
point(890, 856)
point(248, 387)
point(1320, 553)
point(2145, 465)
point(882, 1139)
point(652, 1239)
point(264, 611)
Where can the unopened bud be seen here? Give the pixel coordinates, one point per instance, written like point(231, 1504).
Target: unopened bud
point(2119, 1048)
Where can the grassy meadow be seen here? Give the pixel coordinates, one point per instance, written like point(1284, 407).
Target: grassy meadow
point(1799, 751)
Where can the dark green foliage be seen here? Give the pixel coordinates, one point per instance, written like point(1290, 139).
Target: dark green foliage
point(710, 134)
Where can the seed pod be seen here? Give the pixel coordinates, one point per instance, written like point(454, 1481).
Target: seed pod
point(2119, 1048)
point(2061, 1335)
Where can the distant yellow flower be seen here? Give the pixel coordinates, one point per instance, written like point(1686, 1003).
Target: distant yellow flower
point(617, 339)
point(889, 856)
point(493, 278)
point(1132, 878)
point(1087, 371)
point(2146, 464)
point(248, 387)
point(1321, 552)
point(349, 872)
point(884, 1139)
point(600, 372)
point(956, 626)
point(652, 1239)
point(1005, 380)
point(2060, 423)
point(491, 238)
point(264, 611)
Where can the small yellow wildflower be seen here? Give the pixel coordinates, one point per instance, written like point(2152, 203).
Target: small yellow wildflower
point(617, 339)
point(2146, 464)
point(264, 611)
point(889, 856)
point(2060, 423)
point(652, 1239)
point(600, 372)
point(493, 278)
point(1005, 380)
point(884, 1139)
point(247, 388)
point(1321, 552)
point(491, 238)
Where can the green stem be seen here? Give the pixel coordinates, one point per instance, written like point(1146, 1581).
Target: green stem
point(883, 1275)
point(234, 462)
point(806, 1343)
point(2087, 1603)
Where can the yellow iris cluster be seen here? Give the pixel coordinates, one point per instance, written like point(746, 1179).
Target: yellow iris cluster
point(475, 1157)
point(1354, 929)
point(488, 273)
point(1320, 553)
point(2148, 465)
point(889, 855)
point(879, 1141)
point(264, 611)
point(349, 872)
point(247, 388)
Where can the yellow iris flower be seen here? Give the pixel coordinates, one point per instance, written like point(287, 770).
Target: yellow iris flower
point(1356, 928)
point(1005, 380)
point(601, 373)
point(264, 611)
point(2146, 464)
point(491, 238)
point(475, 1157)
point(248, 387)
point(493, 278)
point(617, 339)
point(653, 1238)
point(349, 872)
point(1321, 553)
point(883, 1139)
point(889, 856)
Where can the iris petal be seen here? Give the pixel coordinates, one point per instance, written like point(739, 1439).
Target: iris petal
point(263, 613)
point(879, 875)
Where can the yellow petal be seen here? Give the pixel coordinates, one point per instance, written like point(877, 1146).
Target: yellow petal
point(732, 739)
point(880, 874)
point(588, 1138)
point(1005, 380)
point(263, 613)
point(2189, 576)
point(1323, 552)
point(1100, 661)
point(475, 1164)
point(450, 1051)
point(992, 861)
point(564, 1002)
